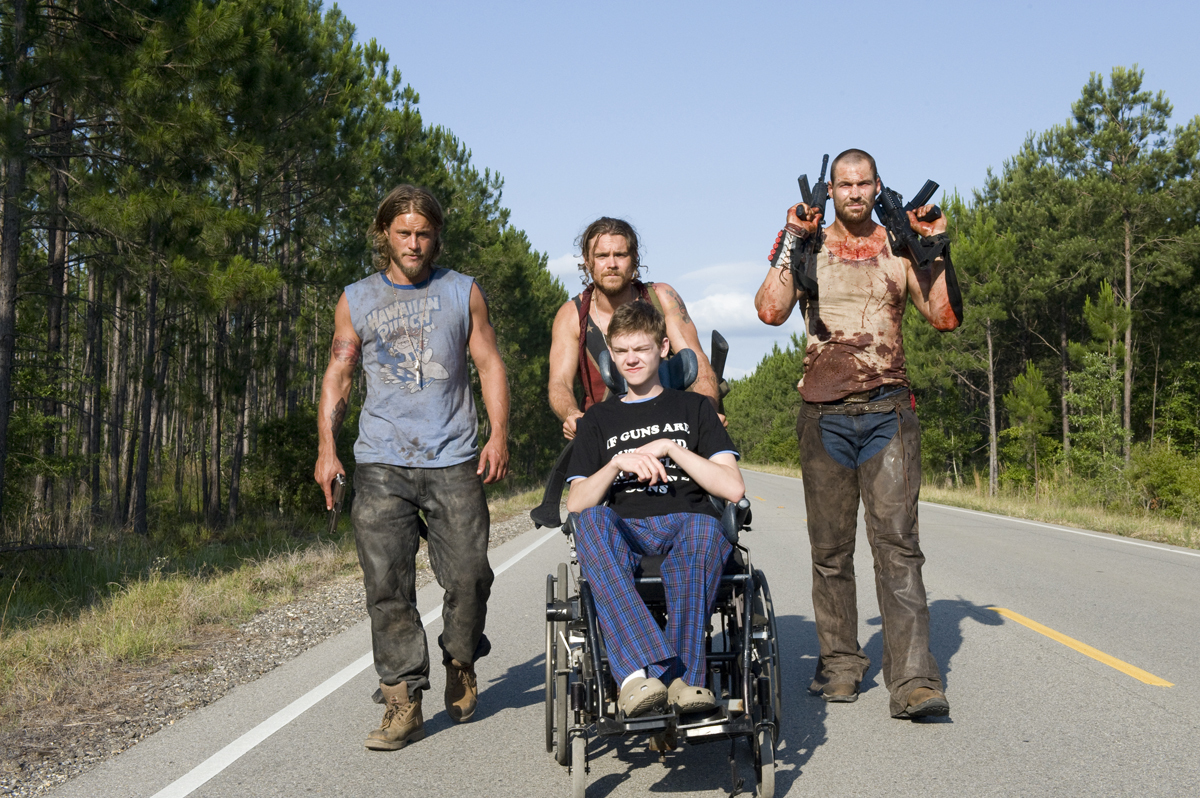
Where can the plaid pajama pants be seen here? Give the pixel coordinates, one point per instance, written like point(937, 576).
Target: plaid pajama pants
point(609, 549)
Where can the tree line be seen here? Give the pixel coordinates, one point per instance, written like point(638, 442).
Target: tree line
point(1077, 365)
point(186, 188)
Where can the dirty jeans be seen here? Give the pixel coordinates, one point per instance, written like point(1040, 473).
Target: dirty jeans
point(875, 455)
point(387, 532)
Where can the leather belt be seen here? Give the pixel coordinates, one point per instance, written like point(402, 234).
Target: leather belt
point(859, 406)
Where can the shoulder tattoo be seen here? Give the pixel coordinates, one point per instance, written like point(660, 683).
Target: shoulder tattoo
point(677, 303)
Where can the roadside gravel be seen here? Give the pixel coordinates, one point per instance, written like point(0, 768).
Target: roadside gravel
point(136, 702)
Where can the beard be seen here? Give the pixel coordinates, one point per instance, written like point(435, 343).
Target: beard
point(408, 271)
point(610, 287)
point(853, 215)
point(412, 272)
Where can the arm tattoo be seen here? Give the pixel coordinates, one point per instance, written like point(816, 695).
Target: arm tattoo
point(346, 350)
point(678, 300)
point(336, 416)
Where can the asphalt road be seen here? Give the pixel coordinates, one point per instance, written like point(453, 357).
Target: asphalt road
point(1031, 715)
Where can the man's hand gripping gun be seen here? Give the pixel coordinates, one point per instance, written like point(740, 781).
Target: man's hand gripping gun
point(795, 248)
point(339, 496)
point(923, 250)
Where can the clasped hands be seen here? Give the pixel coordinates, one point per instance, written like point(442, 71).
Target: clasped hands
point(645, 462)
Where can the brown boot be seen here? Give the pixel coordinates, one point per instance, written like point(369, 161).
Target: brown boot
point(402, 723)
point(462, 695)
point(925, 702)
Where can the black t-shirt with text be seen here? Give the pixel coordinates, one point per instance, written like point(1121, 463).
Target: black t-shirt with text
point(611, 428)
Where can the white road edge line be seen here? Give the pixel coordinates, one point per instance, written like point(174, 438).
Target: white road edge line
point(1110, 537)
point(195, 778)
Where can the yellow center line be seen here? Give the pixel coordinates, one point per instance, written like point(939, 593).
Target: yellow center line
point(1084, 648)
point(760, 498)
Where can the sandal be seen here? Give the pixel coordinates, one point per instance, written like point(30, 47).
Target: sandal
point(640, 695)
point(689, 698)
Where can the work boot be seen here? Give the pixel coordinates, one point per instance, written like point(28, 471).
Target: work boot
point(462, 695)
point(402, 723)
point(925, 702)
point(840, 692)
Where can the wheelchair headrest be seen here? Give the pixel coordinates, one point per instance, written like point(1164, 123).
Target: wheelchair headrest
point(678, 371)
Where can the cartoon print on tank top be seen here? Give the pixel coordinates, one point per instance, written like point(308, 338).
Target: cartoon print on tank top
point(403, 329)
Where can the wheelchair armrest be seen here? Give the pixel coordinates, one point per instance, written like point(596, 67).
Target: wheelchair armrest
point(735, 516)
point(572, 524)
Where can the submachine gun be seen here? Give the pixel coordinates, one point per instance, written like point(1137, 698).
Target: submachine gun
point(800, 253)
point(923, 250)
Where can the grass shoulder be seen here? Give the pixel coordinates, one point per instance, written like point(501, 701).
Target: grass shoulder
point(1148, 525)
point(70, 618)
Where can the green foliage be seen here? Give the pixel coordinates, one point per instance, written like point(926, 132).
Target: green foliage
point(1166, 480)
point(1096, 443)
point(762, 408)
point(948, 437)
point(1028, 406)
point(224, 158)
point(1179, 420)
point(279, 476)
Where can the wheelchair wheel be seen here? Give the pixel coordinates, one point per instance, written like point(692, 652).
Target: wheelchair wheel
point(579, 767)
point(764, 763)
point(767, 649)
point(562, 664)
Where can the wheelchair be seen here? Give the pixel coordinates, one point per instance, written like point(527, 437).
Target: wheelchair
point(743, 658)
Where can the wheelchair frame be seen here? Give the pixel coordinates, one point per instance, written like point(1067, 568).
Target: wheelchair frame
point(744, 673)
point(743, 661)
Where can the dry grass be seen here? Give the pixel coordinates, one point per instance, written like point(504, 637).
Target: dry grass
point(766, 468)
point(149, 620)
point(142, 625)
point(1144, 526)
point(502, 508)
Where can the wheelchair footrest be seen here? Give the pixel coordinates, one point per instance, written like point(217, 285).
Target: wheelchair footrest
point(640, 724)
point(713, 729)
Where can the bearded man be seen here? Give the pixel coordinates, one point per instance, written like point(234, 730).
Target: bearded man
point(858, 432)
point(611, 268)
point(412, 325)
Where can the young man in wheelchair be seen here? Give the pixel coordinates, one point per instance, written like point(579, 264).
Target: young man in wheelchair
point(654, 455)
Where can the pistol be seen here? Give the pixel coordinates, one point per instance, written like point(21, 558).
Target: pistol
point(339, 495)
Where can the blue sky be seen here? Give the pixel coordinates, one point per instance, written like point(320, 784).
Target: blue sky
point(693, 120)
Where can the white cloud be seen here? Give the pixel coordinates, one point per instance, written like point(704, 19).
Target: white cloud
point(718, 278)
point(564, 266)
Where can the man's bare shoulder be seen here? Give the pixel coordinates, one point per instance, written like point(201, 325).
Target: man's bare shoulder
point(567, 312)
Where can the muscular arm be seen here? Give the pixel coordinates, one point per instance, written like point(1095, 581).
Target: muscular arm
point(776, 297)
point(344, 356)
point(682, 332)
point(564, 364)
point(927, 288)
point(494, 380)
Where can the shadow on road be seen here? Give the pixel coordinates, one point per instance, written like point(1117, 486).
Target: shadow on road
point(946, 618)
point(803, 730)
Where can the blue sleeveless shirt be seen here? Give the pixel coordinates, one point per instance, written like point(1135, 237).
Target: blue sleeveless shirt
point(419, 410)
